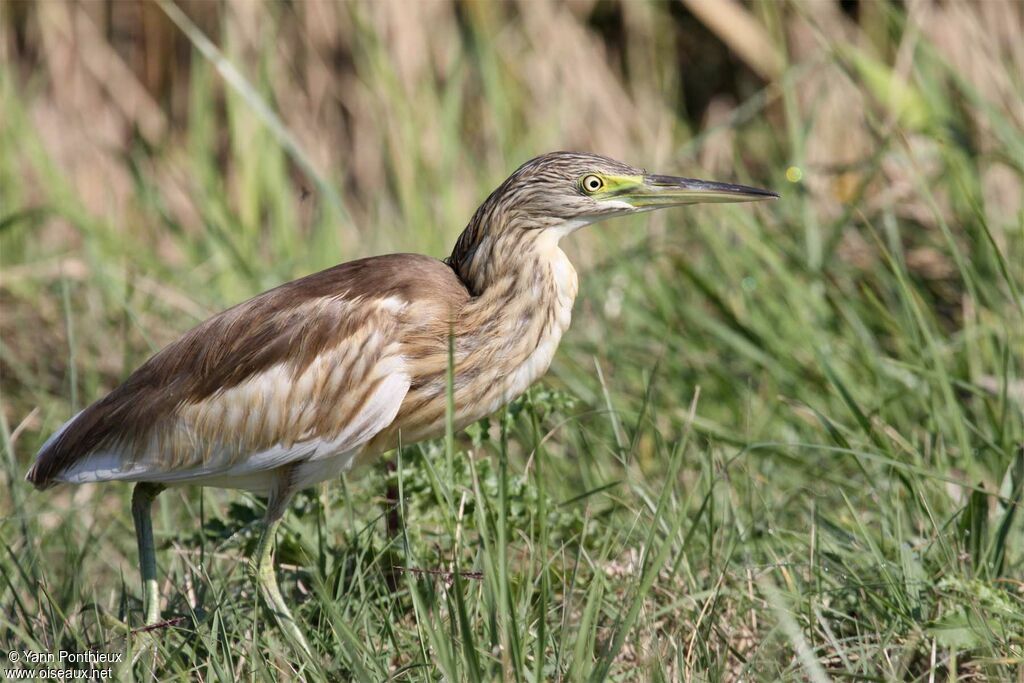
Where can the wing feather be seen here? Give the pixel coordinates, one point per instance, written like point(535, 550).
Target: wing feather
point(221, 465)
point(304, 372)
point(275, 418)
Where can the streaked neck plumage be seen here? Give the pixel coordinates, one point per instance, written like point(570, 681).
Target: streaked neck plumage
point(523, 288)
point(510, 261)
point(503, 241)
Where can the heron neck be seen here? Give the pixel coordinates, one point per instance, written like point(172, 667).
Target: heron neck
point(524, 293)
point(490, 252)
point(507, 335)
point(531, 267)
point(522, 284)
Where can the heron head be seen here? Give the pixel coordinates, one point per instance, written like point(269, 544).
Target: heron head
point(567, 190)
point(555, 194)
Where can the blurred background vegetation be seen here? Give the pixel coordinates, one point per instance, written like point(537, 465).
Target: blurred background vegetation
point(779, 441)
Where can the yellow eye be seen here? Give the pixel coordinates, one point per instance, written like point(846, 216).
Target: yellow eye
point(592, 183)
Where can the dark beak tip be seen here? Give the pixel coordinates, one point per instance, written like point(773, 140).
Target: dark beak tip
point(710, 185)
point(757, 192)
point(761, 194)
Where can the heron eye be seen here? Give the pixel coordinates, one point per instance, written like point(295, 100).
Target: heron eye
point(592, 183)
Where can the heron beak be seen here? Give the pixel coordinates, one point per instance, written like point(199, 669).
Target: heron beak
point(657, 191)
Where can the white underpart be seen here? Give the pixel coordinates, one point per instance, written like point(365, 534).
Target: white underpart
point(553, 234)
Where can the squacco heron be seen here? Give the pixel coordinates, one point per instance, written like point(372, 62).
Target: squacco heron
point(310, 379)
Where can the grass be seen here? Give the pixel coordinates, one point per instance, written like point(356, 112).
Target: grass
point(779, 442)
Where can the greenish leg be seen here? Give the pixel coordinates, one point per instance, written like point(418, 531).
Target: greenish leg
point(261, 567)
point(142, 504)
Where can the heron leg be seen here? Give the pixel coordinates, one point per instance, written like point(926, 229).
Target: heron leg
point(261, 566)
point(142, 504)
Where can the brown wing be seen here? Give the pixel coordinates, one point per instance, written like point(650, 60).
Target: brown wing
point(305, 370)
